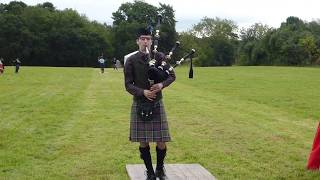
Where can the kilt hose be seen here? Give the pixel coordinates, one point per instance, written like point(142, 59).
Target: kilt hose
point(156, 130)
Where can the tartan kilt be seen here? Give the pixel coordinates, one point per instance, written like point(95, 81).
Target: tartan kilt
point(156, 130)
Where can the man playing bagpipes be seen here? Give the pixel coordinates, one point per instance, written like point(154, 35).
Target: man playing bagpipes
point(148, 122)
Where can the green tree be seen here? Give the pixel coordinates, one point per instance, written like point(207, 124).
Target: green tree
point(42, 35)
point(188, 41)
point(47, 5)
point(15, 7)
point(218, 41)
point(284, 45)
point(308, 43)
point(251, 49)
point(132, 16)
point(215, 27)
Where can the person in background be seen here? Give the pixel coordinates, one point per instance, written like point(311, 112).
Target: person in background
point(101, 63)
point(17, 64)
point(114, 64)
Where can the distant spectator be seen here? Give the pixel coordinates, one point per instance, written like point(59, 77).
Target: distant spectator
point(102, 63)
point(17, 63)
point(114, 64)
point(118, 63)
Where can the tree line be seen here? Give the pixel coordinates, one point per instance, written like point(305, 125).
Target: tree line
point(221, 43)
point(42, 35)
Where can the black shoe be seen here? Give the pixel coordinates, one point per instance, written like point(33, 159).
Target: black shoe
point(150, 175)
point(161, 174)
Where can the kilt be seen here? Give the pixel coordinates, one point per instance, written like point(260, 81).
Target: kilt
point(156, 130)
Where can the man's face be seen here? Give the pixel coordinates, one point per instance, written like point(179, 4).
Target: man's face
point(144, 41)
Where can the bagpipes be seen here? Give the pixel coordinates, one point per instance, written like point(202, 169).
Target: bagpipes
point(159, 67)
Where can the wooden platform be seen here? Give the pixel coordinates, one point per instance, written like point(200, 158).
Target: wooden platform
point(173, 171)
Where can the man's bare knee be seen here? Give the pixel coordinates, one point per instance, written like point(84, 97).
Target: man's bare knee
point(161, 145)
point(144, 144)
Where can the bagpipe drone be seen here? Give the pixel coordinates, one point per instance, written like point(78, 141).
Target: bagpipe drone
point(159, 67)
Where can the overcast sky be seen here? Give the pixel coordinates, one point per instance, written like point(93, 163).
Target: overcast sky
point(190, 12)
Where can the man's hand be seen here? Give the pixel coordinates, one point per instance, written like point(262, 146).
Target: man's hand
point(156, 87)
point(150, 95)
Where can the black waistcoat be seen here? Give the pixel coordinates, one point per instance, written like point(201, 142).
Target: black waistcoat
point(140, 73)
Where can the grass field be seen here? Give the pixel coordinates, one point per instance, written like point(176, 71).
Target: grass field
point(237, 122)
